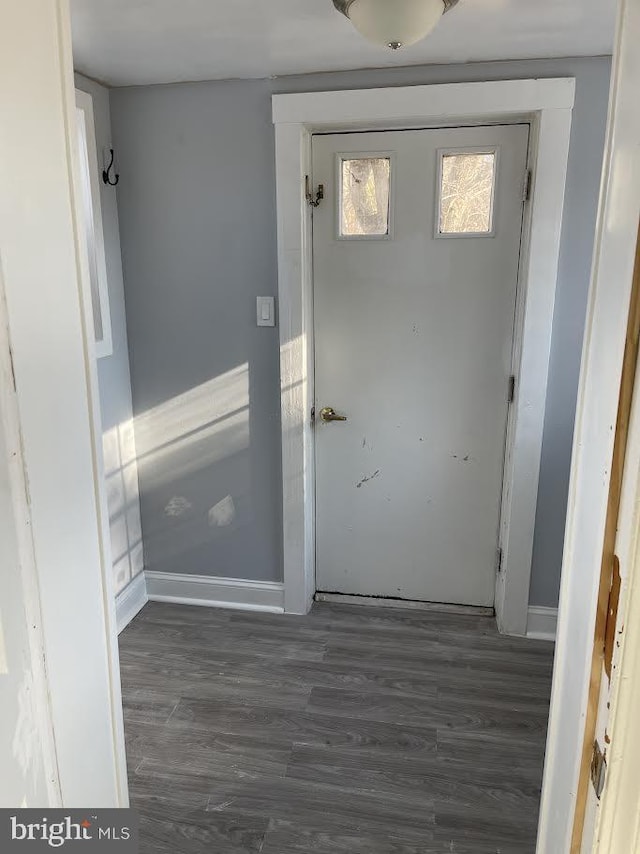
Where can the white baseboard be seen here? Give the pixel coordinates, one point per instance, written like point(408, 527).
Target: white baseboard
point(215, 592)
point(541, 623)
point(130, 601)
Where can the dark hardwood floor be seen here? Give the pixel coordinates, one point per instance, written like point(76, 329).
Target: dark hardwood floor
point(354, 730)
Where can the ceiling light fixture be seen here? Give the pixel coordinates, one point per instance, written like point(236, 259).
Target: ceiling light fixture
point(394, 23)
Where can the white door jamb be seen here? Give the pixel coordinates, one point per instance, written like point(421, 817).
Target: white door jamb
point(49, 325)
point(596, 414)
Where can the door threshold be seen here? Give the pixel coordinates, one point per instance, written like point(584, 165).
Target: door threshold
point(383, 602)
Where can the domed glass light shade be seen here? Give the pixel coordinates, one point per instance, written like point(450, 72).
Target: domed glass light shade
point(394, 23)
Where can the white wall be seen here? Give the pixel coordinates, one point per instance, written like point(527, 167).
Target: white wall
point(22, 743)
point(45, 272)
point(121, 468)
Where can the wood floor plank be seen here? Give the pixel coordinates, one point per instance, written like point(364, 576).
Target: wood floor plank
point(421, 654)
point(190, 831)
point(288, 838)
point(177, 667)
point(387, 708)
point(317, 806)
point(202, 753)
point(148, 706)
point(417, 781)
point(214, 684)
point(353, 729)
point(477, 750)
point(482, 829)
point(158, 636)
point(295, 728)
point(170, 613)
point(438, 713)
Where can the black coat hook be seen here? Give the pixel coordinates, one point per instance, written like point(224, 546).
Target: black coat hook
point(106, 177)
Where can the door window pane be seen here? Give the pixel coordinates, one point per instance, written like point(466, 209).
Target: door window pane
point(466, 193)
point(364, 197)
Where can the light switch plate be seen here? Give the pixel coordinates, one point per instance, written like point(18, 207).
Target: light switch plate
point(266, 311)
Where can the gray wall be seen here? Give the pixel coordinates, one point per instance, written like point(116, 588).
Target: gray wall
point(114, 379)
point(197, 212)
point(197, 209)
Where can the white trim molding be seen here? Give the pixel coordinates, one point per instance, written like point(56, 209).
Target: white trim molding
point(49, 324)
point(380, 108)
point(594, 437)
point(90, 216)
point(613, 822)
point(547, 106)
point(130, 601)
point(542, 622)
point(240, 594)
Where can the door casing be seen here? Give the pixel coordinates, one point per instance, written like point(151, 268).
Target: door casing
point(547, 106)
point(61, 522)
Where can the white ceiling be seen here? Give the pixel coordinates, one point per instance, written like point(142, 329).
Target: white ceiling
point(125, 42)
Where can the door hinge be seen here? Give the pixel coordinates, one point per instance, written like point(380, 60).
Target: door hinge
point(511, 393)
point(314, 201)
point(598, 769)
point(526, 189)
point(499, 560)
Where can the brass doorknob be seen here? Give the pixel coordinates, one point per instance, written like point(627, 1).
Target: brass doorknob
point(329, 414)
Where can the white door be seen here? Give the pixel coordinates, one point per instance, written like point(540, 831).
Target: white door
point(416, 251)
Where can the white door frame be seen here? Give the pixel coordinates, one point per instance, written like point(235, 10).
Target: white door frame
point(547, 105)
point(594, 436)
point(615, 827)
point(62, 524)
point(614, 821)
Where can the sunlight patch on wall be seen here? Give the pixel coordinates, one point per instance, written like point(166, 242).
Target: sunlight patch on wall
point(195, 429)
point(223, 514)
point(119, 449)
point(293, 358)
point(293, 384)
